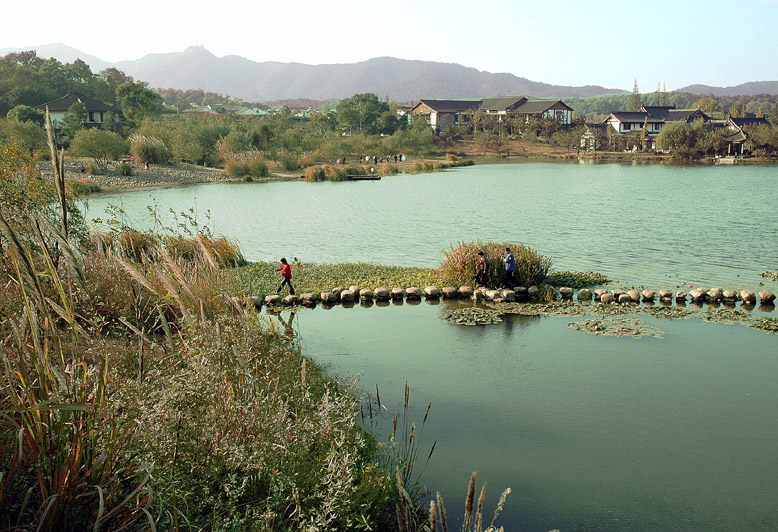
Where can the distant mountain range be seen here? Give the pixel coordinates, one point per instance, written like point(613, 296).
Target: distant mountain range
point(399, 79)
point(752, 88)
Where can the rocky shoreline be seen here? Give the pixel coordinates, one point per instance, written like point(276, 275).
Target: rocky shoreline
point(156, 175)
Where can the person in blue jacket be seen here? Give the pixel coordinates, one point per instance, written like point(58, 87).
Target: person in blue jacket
point(510, 267)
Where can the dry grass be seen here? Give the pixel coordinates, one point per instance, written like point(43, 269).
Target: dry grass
point(458, 266)
point(150, 366)
point(246, 164)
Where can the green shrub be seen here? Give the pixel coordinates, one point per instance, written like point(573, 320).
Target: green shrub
point(191, 249)
point(125, 169)
point(290, 164)
point(82, 187)
point(315, 173)
point(458, 266)
point(251, 164)
point(148, 149)
point(388, 169)
point(357, 170)
point(336, 173)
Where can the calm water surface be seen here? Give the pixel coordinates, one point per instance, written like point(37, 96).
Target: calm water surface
point(653, 225)
point(591, 433)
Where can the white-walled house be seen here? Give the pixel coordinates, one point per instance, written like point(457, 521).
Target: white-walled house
point(551, 109)
point(653, 118)
point(443, 113)
point(97, 112)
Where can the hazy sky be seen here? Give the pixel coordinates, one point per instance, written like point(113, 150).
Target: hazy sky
point(563, 42)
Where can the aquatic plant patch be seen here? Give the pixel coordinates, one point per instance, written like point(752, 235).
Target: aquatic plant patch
point(769, 325)
point(617, 326)
point(727, 316)
point(560, 308)
point(471, 316)
point(614, 311)
point(770, 275)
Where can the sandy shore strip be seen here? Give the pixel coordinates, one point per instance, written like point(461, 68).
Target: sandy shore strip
point(156, 175)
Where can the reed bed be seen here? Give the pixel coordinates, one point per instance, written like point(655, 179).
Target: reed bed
point(138, 395)
point(458, 265)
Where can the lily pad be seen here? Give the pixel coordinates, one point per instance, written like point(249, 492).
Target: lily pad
point(471, 316)
point(617, 326)
point(769, 325)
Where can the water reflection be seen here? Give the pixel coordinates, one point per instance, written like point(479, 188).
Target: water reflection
point(595, 433)
point(712, 247)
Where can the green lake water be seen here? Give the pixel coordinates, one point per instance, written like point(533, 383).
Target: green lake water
point(591, 433)
point(651, 225)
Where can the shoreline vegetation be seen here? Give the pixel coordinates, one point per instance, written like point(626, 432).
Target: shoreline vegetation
point(138, 393)
point(189, 174)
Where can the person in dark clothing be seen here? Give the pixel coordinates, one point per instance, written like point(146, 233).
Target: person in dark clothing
point(286, 273)
point(480, 270)
point(510, 266)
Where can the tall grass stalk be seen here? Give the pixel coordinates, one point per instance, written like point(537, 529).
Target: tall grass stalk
point(68, 470)
point(472, 521)
point(458, 265)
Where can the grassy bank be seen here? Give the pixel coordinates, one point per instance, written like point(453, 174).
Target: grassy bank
point(137, 393)
point(260, 279)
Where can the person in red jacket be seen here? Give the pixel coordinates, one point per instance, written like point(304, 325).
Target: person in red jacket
point(286, 273)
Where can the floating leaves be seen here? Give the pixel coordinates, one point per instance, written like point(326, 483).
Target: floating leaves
point(765, 324)
point(471, 316)
point(770, 275)
point(616, 326)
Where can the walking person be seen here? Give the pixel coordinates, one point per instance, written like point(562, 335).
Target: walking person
point(286, 273)
point(510, 266)
point(481, 268)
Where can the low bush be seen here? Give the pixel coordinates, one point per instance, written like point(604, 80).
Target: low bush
point(261, 278)
point(92, 169)
point(146, 149)
point(82, 187)
point(250, 164)
point(458, 265)
point(388, 169)
point(191, 249)
point(290, 164)
point(315, 173)
point(124, 169)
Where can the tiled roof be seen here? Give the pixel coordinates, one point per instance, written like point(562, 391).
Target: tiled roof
point(450, 106)
point(501, 104)
point(635, 116)
point(532, 107)
point(675, 115)
point(658, 111)
point(745, 122)
point(64, 103)
point(737, 136)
